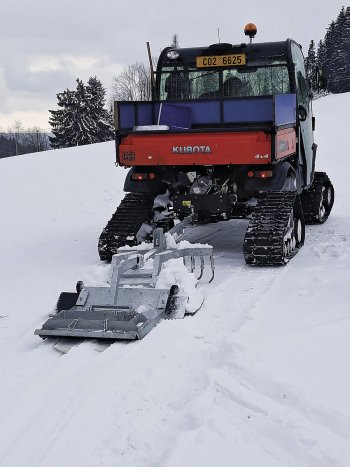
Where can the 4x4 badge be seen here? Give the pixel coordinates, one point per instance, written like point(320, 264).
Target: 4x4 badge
point(262, 156)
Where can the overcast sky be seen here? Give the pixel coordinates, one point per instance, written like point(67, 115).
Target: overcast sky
point(46, 44)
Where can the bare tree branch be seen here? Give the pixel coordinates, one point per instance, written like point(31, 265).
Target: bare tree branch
point(133, 83)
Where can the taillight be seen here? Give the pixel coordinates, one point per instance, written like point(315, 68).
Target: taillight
point(138, 176)
point(264, 173)
point(260, 173)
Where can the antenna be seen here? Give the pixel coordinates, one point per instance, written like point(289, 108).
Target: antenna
point(153, 81)
point(218, 34)
point(175, 42)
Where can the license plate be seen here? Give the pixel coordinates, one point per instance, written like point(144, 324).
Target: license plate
point(221, 60)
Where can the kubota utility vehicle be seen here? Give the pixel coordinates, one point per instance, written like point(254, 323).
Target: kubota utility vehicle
point(228, 134)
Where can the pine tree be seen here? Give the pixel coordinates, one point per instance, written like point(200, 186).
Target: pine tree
point(334, 53)
point(321, 59)
point(343, 68)
point(82, 125)
point(82, 118)
point(328, 54)
point(104, 125)
point(62, 119)
point(310, 65)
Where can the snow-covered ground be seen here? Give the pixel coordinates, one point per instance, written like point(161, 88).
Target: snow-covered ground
point(257, 378)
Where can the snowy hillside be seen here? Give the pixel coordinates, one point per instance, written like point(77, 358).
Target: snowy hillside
point(257, 378)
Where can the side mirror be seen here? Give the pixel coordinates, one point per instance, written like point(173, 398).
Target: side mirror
point(302, 113)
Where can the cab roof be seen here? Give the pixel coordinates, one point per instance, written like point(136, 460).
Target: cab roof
point(253, 51)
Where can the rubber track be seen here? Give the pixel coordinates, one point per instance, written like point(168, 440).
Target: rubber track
point(312, 198)
point(133, 211)
point(264, 239)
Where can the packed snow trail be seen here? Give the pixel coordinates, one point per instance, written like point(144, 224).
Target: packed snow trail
point(258, 377)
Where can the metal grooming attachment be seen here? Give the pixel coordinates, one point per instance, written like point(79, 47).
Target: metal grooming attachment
point(132, 305)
